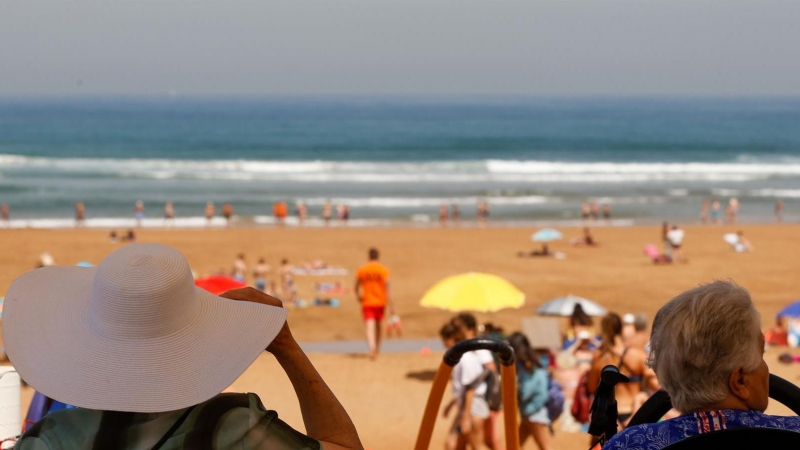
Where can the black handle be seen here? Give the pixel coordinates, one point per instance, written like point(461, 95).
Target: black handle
point(453, 355)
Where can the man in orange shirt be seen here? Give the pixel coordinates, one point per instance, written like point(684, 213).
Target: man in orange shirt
point(372, 291)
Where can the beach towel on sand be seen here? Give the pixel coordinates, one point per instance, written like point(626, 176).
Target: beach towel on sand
point(325, 271)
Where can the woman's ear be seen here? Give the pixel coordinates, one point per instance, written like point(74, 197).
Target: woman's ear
point(738, 385)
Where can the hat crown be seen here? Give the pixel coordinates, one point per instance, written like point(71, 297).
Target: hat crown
point(143, 291)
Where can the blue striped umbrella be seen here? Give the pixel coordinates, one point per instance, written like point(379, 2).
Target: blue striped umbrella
point(546, 235)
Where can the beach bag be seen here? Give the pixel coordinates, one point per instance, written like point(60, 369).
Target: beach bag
point(582, 402)
point(555, 399)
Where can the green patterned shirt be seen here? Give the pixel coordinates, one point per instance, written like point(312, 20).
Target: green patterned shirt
point(227, 421)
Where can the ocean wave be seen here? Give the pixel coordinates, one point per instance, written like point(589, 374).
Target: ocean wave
point(544, 167)
point(410, 202)
point(489, 171)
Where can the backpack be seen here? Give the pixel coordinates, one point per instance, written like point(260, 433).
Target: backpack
point(582, 402)
point(555, 399)
point(494, 393)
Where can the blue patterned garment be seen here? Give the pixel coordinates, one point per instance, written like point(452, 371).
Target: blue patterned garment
point(655, 436)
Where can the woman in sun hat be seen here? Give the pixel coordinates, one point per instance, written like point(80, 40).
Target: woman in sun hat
point(144, 355)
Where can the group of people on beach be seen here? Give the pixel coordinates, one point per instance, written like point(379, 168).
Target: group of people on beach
point(260, 276)
point(452, 214)
point(554, 386)
point(280, 212)
point(711, 211)
point(590, 212)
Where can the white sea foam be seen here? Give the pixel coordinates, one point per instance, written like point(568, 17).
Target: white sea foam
point(778, 193)
point(411, 202)
point(116, 223)
point(406, 172)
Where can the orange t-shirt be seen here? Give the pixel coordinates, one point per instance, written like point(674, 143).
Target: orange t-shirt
point(373, 277)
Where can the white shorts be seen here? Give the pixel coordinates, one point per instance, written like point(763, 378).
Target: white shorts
point(541, 416)
point(480, 408)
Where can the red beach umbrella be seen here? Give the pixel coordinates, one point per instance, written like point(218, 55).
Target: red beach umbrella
point(218, 284)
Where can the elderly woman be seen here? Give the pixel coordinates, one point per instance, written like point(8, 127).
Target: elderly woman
point(708, 352)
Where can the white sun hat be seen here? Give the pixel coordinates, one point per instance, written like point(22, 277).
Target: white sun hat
point(132, 334)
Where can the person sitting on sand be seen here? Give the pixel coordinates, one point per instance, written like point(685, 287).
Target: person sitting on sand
point(130, 236)
point(778, 334)
point(545, 251)
point(587, 239)
point(708, 353)
point(742, 244)
point(170, 348)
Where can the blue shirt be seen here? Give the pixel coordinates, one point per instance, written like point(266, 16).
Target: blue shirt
point(655, 436)
point(531, 390)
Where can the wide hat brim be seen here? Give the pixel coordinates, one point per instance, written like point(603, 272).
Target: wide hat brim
point(49, 340)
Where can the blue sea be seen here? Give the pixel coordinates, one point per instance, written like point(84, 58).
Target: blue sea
point(397, 160)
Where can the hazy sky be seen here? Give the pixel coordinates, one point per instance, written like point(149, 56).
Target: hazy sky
point(638, 47)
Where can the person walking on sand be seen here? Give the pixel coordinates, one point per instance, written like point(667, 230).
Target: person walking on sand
point(372, 291)
point(595, 215)
point(483, 213)
point(227, 213)
point(327, 212)
point(209, 212)
point(607, 214)
point(586, 211)
point(704, 212)
point(456, 215)
point(280, 210)
point(716, 212)
point(138, 213)
point(80, 215)
point(469, 396)
point(302, 213)
point(5, 216)
point(169, 214)
point(778, 211)
point(733, 210)
point(675, 238)
point(491, 430)
point(443, 215)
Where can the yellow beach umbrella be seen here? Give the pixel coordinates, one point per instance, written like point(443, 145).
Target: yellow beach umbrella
point(481, 292)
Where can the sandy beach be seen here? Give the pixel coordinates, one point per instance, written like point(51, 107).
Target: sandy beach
point(386, 397)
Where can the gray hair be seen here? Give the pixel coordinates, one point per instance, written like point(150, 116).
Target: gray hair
point(699, 338)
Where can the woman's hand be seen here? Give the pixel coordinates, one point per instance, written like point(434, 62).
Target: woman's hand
point(446, 411)
point(466, 423)
point(284, 340)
